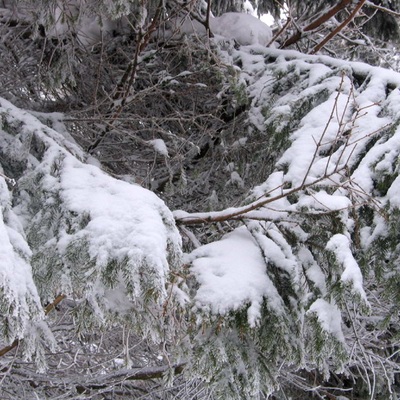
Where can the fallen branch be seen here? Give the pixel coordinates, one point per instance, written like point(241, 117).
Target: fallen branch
point(102, 381)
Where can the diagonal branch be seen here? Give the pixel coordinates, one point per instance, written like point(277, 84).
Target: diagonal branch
point(381, 8)
point(350, 18)
point(316, 23)
point(183, 218)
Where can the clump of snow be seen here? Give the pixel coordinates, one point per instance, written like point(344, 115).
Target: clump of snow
point(20, 305)
point(235, 180)
point(329, 316)
point(340, 245)
point(317, 74)
point(159, 146)
point(88, 29)
point(125, 220)
point(243, 28)
point(232, 274)
point(321, 200)
point(275, 248)
point(16, 281)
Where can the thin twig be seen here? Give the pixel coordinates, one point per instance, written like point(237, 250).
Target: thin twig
point(381, 8)
point(11, 181)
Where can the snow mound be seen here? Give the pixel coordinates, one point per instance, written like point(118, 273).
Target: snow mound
point(232, 274)
point(243, 28)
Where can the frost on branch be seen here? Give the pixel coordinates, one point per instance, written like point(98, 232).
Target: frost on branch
point(20, 306)
point(317, 231)
point(74, 230)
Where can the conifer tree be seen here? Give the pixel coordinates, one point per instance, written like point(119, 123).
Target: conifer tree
point(184, 217)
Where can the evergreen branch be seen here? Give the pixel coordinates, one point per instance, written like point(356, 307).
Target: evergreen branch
point(50, 307)
point(340, 165)
point(338, 29)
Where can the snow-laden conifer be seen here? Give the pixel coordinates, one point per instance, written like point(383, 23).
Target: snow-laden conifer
point(68, 228)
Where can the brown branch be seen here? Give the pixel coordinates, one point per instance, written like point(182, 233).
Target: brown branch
point(350, 18)
point(50, 307)
point(138, 374)
point(280, 32)
point(207, 22)
point(6, 349)
point(47, 310)
point(316, 23)
point(103, 381)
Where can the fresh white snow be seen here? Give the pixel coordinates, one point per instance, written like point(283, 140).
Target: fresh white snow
point(129, 225)
point(327, 142)
point(232, 274)
point(69, 209)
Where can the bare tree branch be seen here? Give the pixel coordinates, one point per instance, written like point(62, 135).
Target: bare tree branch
point(381, 8)
point(319, 46)
point(316, 23)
